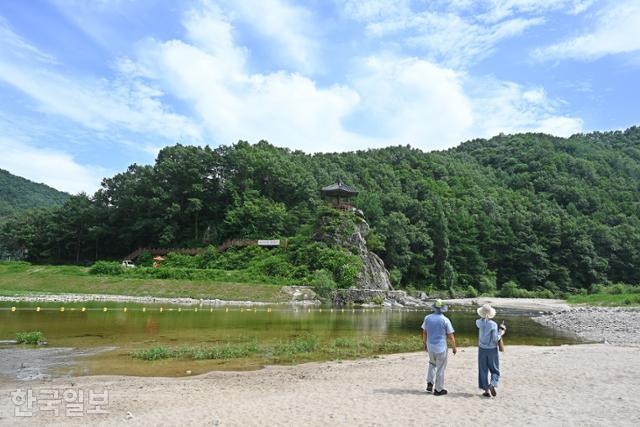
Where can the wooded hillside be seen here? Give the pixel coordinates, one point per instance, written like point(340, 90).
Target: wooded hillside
point(537, 211)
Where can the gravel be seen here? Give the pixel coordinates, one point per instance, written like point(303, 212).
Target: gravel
point(616, 325)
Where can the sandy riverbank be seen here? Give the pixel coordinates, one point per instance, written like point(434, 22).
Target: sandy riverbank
point(540, 385)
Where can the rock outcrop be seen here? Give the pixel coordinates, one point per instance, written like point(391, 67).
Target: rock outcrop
point(350, 230)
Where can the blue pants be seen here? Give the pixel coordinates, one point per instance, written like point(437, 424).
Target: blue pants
point(488, 362)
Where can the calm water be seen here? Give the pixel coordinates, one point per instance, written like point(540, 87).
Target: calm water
point(126, 331)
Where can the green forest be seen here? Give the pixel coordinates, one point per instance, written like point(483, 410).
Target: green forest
point(527, 211)
point(18, 194)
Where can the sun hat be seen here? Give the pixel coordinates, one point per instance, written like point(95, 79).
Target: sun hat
point(486, 311)
point(439, 306)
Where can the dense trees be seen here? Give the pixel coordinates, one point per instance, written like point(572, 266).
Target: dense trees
point(531, 209)
point(18, 194)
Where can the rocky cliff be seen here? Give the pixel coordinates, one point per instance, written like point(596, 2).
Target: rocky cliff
point(350, 230)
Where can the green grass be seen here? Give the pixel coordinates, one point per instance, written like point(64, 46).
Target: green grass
point(33, 337)
point(604, 299)
point(20, 278)
point(618, 294)
point(302, 348)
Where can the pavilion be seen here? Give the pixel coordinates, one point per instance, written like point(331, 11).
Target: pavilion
point(339, 195)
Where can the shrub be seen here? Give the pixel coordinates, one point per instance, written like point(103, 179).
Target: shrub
point(617, 289)
point(109, 268)
point(510, 290)
point(487, 283)
point(378, 299)
point(33, 337)
point(180, 261)
point(471, 292)
point(145, 259)
point(395, 276)
point(323, 284)
point(546, 293)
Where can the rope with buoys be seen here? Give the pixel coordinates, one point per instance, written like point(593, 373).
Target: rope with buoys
point(162, 309)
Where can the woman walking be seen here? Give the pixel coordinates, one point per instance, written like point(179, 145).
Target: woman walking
point(489, 336)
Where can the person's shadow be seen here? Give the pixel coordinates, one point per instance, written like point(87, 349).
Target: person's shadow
point(406, 391)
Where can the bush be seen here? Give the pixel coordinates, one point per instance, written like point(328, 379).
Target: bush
point(323, 284)
point(33, 337)
point(109, 268)
point(181, 261)
point(487, 283)
point(395, 277)
point(471, 292)
point(378, 299)
point(145, 259)
point(617, 289)
point(510, 290)
point(545, 293)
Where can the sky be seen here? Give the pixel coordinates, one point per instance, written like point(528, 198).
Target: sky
point(88, 87)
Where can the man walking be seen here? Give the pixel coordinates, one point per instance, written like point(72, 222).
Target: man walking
point(436, 328)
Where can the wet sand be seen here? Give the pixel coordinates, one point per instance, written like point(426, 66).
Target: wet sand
point(590, 384)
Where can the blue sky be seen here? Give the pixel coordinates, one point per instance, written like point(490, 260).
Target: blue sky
point(89, 87)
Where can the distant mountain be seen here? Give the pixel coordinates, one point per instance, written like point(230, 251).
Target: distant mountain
point(17, 194)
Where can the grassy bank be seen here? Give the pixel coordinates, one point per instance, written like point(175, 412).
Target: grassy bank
point(18, 278)
point(612, 295)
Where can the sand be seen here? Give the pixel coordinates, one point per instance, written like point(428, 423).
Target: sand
point(569, 385)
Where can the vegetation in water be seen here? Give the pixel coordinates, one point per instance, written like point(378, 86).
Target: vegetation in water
point(33, 337)
point(517, 215)
point(308, 347)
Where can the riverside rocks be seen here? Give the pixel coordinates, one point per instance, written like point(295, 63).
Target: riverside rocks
point(611, 325)
point(300, 295)
point(376, 297)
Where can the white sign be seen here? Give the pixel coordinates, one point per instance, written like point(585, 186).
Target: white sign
point(268, 242)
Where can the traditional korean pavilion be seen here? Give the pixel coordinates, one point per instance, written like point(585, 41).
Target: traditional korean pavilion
point(339, 195)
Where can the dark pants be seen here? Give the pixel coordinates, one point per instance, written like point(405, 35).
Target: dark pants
point(488, 362)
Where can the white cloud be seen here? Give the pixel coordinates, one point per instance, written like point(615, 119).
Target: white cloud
point(98, 104)
point(454, 33)
point(510, 108)
point(14, 44)
point(290, 27)
point(413, 101)
point(387, 99)
point(236, 104)
point(615, 31)
point(54, 168)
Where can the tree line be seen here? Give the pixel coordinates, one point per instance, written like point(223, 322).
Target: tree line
point(529, 210)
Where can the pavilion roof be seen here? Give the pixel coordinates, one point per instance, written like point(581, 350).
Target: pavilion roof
point(339, 189)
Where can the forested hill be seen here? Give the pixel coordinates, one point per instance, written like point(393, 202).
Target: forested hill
point(18, 194)
point(538, 211)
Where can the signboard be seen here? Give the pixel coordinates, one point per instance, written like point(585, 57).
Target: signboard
point(268, 242)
